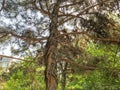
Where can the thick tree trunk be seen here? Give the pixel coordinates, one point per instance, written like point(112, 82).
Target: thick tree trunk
point(51, 47)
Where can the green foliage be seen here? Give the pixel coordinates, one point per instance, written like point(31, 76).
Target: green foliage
point(106, 58)
point(99, 80)
point(108, 55)
point(27, 76)
point(96, 80)
point(75, 82)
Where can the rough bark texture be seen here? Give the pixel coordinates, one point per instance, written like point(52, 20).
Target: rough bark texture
point(51, 47)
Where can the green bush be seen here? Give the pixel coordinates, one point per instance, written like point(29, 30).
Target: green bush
point(26, 76)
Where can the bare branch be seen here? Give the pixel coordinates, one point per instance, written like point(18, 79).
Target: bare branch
point(78, 65)
point(112, 40)
point(3, 4)
point(11, 57)
point(80, 13)
point(40, 9)
point(48, 10)
point(35, 40)
point(30, 39)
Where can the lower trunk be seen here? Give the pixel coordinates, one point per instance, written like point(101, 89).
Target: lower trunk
point(51, 81)
point(50, 75)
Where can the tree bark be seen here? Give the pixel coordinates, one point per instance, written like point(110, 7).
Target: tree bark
point(64, 73)
point(51, 47)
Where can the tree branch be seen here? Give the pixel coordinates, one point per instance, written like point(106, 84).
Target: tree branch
point(29, 39)
point(78, 65)
point(113, 40)
point(35, 40)
point(11, 57)
point(80, 13)
point(41, 8)
point(3, 4)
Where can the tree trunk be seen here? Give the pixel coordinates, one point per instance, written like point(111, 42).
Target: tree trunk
point(51, 47)
point(64, 73)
